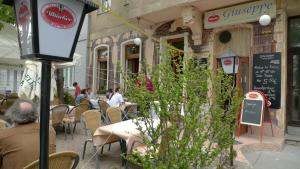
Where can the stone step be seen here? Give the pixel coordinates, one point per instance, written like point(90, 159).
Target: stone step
point(293, 130)
point(292, 139)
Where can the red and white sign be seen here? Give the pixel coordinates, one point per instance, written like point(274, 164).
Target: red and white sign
point(23, 13)
point(243, 13)
point(213, 18)
point(58, 15)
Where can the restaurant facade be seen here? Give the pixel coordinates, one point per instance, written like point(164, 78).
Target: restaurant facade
point(268, 55)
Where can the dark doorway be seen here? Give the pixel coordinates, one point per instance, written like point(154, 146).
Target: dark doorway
point(177, 57)
point(293, 73)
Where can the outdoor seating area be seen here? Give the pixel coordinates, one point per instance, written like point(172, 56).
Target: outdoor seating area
point(197, 84)
point(83, 124)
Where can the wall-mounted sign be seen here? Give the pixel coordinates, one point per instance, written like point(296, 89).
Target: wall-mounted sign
point(58, 15)
point(267, 76)
point(249, 12)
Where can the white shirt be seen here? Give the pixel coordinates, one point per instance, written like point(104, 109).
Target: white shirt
point(116, 100)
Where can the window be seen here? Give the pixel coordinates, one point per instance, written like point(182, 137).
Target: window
point(102, 69)
point(10, 79)
point(106, 6)
point(132, 59)
point(69, 76)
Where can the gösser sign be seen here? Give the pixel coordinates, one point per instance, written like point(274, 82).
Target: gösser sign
point(249, 12)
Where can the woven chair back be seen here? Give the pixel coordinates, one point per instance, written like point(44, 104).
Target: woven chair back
point(58, 113)
point(114, 114)
point(79, 109)
point(2, 96)
point(92, 120)
point(11, 99)
point(84, 101)
point(3, 124)
point(131, 109)
point(103, 106)
point(55, 101)
point(61, 160)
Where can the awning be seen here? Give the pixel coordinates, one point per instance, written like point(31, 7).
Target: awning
point(30, 86)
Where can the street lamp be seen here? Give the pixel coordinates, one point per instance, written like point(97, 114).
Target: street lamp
point(230, 64)
point(137, 41)
point(265, 20)
point(48, 31)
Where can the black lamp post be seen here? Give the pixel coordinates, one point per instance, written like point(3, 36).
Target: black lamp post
point(230, 63)
point(48, 31)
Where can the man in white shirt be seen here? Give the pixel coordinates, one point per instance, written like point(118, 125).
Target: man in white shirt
point(117, 99)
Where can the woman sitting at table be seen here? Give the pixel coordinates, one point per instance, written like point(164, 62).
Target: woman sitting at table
point(81, 96)
point(116, 99)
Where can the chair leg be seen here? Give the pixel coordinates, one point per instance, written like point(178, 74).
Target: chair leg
point(85, 130)
point(109, 146)
point(74, 127)
point(84, 147)
point(71, 131)
point(65, 131)
point(102, 149)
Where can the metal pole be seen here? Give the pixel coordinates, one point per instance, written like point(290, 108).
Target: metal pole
point(232, 92)
point(44, 114)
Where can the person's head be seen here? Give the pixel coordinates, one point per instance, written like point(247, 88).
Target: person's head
point(83, 91)
point(23, 112)
point(110, 90)
point(75, 84)
point(89, 90)
point(117, 89)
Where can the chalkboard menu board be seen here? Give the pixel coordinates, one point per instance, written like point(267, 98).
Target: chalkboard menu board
point(266, 76)
point(252, 112)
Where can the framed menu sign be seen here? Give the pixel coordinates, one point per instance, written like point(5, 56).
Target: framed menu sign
point(267, 76)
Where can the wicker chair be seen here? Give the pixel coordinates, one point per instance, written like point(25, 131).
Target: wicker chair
point(79, 109)
point(114, 114)
point(84, 101)
point(11, 99)
point(103, 107)
point(129, 111)
point(3, 106)
point(92, 121)
point(57, 115)
point(3, 124)
point(55, 101)
point(2, 96)
point(61, 160)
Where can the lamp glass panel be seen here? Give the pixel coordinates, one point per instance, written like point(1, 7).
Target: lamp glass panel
point(24, 18)
point(227, 64)
point(58, 24)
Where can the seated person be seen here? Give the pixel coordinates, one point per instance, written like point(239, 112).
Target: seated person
point(20, 145)
point(81, 96)
point(89, 94)
point(116, 99)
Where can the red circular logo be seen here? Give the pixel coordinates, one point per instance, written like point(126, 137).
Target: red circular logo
point(213, 18)
point(23, 14)
point(253, 96)
point(227, 62)
point(58, 15)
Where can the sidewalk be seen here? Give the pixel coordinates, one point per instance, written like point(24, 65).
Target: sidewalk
point(288, 158)
point(272, 153)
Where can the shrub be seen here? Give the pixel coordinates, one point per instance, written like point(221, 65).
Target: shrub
point(200, 137)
